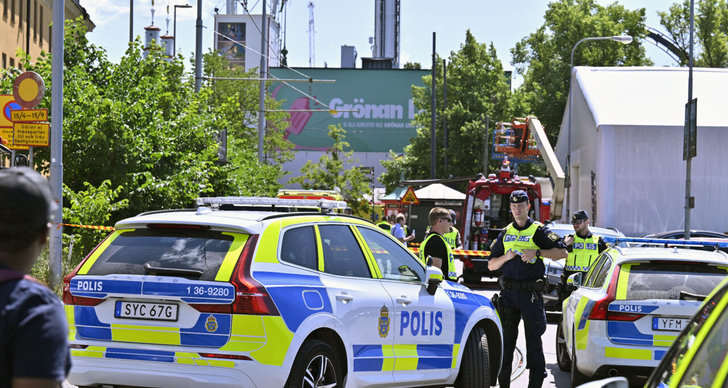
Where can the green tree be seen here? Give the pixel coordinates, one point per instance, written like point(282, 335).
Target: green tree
point(711, 32)
point(476, 88)
point(543, 57)
point(330, 173)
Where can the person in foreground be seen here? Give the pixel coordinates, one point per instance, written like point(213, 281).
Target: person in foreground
point(33, 326)
point(518, 251)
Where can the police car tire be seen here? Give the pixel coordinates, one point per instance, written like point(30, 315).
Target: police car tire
point(475, 366)
point(312, 355)
point(576, 377)
point(562, 355)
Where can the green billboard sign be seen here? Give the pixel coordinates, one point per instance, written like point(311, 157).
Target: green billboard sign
point(374, 107)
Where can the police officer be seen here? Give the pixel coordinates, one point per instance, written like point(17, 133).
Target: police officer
point(386, 223)
point(435, 246)
point(517, 251)
point(583, 248)
point(453, 235)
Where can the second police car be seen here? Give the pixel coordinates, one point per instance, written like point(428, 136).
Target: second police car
point(239, 293)
point(630, 307)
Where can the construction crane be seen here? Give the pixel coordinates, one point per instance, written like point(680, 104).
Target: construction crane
point(311, 32)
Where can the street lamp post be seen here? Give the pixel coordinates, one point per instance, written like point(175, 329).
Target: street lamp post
point(174, 31)
point(624, 39)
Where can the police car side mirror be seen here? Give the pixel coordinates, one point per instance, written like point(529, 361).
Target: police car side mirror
point(574, 281)
point(612, 382)
point(433, 278)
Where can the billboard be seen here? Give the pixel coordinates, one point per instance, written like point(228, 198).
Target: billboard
point(230, 41)
point(375, 107)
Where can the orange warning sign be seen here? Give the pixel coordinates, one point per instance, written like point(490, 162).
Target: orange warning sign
point(409, 197)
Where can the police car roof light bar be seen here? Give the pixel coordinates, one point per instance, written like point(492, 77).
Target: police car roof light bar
point(324, 204)
point(665, 241)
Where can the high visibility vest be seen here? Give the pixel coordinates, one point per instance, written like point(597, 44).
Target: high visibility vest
point(451, 273)
point(583, 253)
point(451, 238)
point(385, 225)
point(520, 239)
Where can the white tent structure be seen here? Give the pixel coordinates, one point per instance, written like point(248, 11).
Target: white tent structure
point(627, 129)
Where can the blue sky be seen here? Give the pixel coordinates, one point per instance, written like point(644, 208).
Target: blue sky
point(351, 22)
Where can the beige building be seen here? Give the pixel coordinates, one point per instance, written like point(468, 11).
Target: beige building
point(26, 25)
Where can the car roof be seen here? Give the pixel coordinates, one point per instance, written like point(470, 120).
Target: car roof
point(693, 232)
point(245, 221)
point(594, 229)
point(669, 254)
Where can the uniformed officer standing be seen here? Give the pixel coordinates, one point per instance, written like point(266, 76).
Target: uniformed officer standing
point(583, 248)
point(386, 223)
point(518, 250)
point(435, 246)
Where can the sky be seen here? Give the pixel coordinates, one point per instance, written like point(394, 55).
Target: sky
point(351, 22)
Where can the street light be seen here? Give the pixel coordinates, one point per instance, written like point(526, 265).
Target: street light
point(624, 39)
point(174, 32)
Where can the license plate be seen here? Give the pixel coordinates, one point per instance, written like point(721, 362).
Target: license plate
point(669, 324)
point(150, 311)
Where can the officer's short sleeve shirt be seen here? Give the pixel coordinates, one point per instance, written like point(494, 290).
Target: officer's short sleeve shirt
point(516, 269)
point(435, 247)
point(33, 331)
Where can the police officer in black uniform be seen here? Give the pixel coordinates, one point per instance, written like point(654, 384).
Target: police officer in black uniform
point(517, 251)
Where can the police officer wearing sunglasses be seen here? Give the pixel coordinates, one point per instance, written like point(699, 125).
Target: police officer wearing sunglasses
point(583, 248)
point(517, 251)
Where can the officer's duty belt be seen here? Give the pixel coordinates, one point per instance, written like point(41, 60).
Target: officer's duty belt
point(520, 285)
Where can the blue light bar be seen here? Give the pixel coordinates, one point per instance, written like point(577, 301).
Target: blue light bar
point(665, 241)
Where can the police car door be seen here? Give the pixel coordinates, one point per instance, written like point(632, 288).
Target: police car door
point(361, 305)
point(423, 325)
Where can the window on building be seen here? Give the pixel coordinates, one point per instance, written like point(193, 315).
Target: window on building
point(5, 9)
point(12, 62)
point(5, 61)
point(40, 27)
point(12, 11)
point(20, 13)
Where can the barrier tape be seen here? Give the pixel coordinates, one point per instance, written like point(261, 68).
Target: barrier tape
point(458, 252)
point(89, 226)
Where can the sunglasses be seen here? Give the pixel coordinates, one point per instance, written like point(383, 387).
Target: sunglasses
point(577, 222)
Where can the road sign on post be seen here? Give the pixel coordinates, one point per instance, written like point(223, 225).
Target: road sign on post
point(409, 197)
point(691, 129)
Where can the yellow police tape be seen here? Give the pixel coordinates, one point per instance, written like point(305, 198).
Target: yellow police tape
point(89, 226)
point(458, 252)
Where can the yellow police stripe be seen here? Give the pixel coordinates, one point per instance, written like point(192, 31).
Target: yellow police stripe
point(91, 351)
point(663, 340)
point(628, 353)
point(371, 262)
point(222, 363)
point(267, 247)
point(388, 358)
point(582, 336)
point(231, 258)
point(185, 358)
point(622, 281)
point(406, 357)
point(455, 351)
point(101, 248)
point(319, 248)
point(145, 334)
point(278, 339)
point(247, 334)
point(71, 320)
point(720, 377)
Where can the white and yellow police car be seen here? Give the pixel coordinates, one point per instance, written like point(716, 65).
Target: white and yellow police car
point(245, 292)
point(631, 306)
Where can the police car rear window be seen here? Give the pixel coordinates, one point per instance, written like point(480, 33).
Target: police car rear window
point(194, 254)
point(676, 281)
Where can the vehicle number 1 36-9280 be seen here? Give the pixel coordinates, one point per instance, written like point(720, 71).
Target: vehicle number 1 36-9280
point(208, 291)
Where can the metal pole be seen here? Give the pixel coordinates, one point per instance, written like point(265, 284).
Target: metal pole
point(198, 48)
point(131, 21)
point(263, 76)
point(174, 33)
point(56, 243)
point(433, 115)
point(485, 146)
point(688, 162)
point(444, 116)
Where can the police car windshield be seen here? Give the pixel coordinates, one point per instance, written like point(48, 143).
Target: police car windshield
point(193, 253)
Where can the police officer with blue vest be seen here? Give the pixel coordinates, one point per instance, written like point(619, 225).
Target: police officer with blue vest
point(518, 253)
point(583, 248)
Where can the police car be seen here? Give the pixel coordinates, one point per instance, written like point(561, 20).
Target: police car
point(630, 307)
point(244, 292)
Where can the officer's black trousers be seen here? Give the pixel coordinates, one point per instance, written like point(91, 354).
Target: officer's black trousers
point(528, 306)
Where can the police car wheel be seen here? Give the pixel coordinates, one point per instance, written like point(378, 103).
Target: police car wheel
point(316, 365)
point(576, 377)
point(475, 366)
point(562, 356)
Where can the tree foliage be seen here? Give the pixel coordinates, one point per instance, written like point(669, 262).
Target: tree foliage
point(476, 88)
point(329, 173)
point(544, 56)
point(711, 32)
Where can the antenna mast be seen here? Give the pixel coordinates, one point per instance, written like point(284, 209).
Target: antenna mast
point(311, 32)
